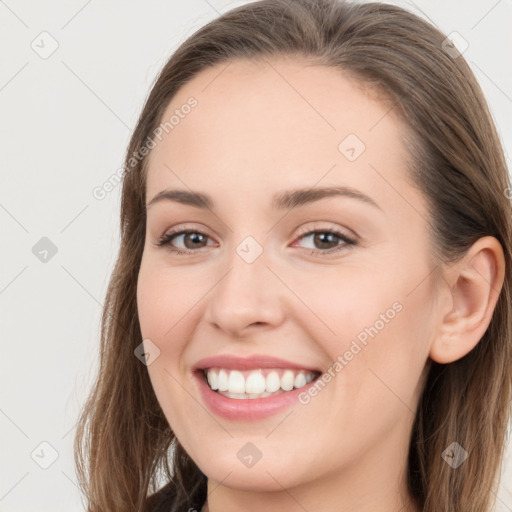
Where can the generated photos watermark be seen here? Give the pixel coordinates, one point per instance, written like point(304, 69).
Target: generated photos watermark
point(357, 345)
point(100, 192)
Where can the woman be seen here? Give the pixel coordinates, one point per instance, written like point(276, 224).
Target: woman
point(246, 370)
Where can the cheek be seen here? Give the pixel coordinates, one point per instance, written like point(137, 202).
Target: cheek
point(160, 308)
point(351, 304)
point(377, 332)
point(165, 301)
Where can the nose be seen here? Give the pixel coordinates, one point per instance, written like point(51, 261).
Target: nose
point(248, 296)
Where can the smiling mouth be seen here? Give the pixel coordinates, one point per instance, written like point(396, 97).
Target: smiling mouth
point(258, 383)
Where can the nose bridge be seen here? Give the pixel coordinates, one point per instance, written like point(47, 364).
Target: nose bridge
point(248, 293)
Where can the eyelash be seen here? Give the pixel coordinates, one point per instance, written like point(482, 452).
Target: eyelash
point(348, 241)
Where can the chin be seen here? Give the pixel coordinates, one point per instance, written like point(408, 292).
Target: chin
point(264, 476)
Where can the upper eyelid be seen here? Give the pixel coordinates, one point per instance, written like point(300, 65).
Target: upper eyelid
point(318, 226)
point(302, 231)
point(323, 227)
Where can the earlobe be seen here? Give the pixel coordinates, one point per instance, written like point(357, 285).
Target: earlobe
point(474, 284)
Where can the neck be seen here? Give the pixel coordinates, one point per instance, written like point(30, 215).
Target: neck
point(377, 480)
point(381, 490)
point(297, 500)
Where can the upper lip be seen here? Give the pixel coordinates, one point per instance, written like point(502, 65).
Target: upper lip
point(249, 363)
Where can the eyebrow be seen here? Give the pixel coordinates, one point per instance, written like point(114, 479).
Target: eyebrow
point(280, 201)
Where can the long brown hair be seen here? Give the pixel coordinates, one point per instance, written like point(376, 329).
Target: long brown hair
point(124, 446)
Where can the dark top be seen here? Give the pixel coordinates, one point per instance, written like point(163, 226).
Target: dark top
point(164, 501)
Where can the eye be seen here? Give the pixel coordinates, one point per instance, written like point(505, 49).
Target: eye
point(325, 238)
point(192, 242)
point(195, 240)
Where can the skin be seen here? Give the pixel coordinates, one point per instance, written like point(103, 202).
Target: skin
point(260, 128)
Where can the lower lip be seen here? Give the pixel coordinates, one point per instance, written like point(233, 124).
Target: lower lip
point(249, 409)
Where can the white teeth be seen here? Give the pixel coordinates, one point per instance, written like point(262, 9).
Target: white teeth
point(213, 380)
point(300, 380)
point(236, 383)
point(254, 384)
point(222, 381)
point(272, 382)
point(238, 396)
point(287, 380)
point(243, 396)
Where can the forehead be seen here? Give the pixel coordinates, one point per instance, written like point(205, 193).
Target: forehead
point(279, 122)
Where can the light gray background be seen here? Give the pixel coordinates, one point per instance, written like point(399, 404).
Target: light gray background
point(65, 124)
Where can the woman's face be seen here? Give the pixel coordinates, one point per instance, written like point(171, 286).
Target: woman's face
point(261, 277)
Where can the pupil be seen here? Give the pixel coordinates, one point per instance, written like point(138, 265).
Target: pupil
point(318, 238)
point(193, 236)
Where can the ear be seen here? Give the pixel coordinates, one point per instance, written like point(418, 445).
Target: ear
point(473, 285)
